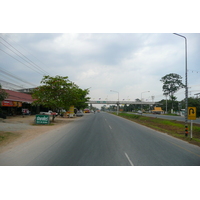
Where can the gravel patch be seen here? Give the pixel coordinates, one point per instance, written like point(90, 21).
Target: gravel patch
point(23, 129)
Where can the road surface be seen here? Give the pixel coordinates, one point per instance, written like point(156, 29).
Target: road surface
point(102, 139)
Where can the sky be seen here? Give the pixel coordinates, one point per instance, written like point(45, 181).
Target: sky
point(125, 47)
point(128, 63)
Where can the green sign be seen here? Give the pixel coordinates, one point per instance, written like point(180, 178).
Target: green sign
point(42, 119)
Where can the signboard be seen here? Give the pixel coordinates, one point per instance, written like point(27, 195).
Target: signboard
point(19, 104)
point(71, 111)
point(101, 102)
point(15, 103)
point(42, 119)
point(192, 113)
point(7, 103)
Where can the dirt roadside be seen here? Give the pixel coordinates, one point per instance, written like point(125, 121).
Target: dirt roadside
point(16, 130)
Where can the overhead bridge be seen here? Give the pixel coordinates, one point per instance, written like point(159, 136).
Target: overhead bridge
point(122, 102)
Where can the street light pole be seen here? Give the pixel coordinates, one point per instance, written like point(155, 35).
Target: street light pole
point(117, 102)
point(186, 87)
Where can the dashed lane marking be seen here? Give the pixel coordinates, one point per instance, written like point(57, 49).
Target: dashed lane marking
point(128, 159)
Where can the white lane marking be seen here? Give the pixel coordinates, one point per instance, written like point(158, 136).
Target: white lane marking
point(128, 159)
point(108, 125)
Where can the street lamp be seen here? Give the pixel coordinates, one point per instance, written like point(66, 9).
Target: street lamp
point(117, 102)
point(186, 87)
point(141, 98)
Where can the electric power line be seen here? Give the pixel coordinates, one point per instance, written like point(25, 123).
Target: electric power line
point(26, 51)
point(9, 74)
point(20, 61)
point(29, 61)
point(10, 85)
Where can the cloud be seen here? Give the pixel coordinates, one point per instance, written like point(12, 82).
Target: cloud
point(127, 63)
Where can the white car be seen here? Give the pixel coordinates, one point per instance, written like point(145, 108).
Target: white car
point(79, 114)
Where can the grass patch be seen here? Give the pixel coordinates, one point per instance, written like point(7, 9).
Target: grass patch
point(5, 137)
point(171, 127)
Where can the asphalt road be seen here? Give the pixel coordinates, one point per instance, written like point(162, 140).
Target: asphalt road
point(103, 139)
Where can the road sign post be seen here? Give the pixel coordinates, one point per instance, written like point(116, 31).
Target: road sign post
point(191, 116)
point(191, 130)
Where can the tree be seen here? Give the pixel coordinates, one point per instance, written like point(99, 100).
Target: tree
point(80, 103)
point(3, 94)
point(194, 102)
point(163, 103)
point(59, 93)
point(171, 84)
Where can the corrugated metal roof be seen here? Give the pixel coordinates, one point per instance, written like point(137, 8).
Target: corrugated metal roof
point(19, 96)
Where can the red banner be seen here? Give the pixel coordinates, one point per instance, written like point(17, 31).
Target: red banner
point(7, 103)
point(11, 103)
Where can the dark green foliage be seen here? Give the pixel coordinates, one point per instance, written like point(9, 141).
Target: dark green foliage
point(171, 84)
point(194, 102)
point(59, 93)
point(3, 94)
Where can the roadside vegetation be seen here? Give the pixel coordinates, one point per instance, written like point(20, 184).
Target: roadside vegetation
point(59, 93)
point(171, 127)
point(5, 137)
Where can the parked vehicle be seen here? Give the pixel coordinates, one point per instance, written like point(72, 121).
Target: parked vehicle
point(79, 114)
point(49, 113)
point(86, 110)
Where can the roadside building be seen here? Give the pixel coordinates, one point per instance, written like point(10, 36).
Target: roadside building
point(157, 110)
point(16, 101)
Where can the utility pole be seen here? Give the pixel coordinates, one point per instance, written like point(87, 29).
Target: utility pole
point(186, 87)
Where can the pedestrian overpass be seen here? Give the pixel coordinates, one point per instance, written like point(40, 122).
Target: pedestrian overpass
point(122, 102)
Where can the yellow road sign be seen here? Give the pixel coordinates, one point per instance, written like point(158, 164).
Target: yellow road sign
point(192, 113)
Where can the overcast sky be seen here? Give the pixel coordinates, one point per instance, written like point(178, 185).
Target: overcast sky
point(117, 46)
point(130, 64)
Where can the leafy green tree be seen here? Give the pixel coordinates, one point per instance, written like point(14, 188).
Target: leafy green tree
point(176, 105)
point(194, 102)
point(3, 94)
point(80, 102)
point(171, 84)
point(59, 93)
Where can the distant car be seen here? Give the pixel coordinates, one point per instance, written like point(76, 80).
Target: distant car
point(79, 114)
point(139, 112)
